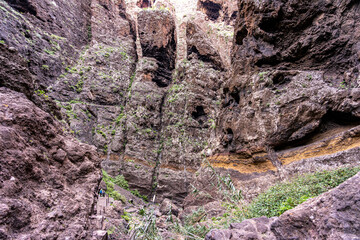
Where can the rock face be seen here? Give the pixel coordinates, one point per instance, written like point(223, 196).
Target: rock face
point(285, 106)
point(48, 181)
point(284, 85)
point(158, 41)
point(332, 215)
point(46, 33)
point(219, 10)
point(165, 103)
point(283, 35)
point(294, 82)
point(199, 45)
point(256, 228)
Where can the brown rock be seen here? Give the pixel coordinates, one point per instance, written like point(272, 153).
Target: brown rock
point(332, 215)
point(198, 45)
point(167, 207)
point(35, 185)
point(158, 40)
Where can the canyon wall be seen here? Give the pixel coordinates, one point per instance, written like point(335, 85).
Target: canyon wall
point(257, 90)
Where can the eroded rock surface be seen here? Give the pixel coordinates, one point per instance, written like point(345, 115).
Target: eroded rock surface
point(48, 181)
point(156, 93)
point(284, 91)
point(284, 84)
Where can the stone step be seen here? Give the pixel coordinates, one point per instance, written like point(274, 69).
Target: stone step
point(99, 235)
point(97, 221)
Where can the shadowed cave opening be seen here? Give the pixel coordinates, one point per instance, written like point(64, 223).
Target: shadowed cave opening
point(199, 115)
point(231, 98)
point(22, 6)
point(228, 139)
point(212, 10)
point(332, 123)
point(281, 78)
point(201, 57)
point(144, 3)
point(240, 35)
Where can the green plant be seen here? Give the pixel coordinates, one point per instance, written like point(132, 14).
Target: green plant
point(225, 186)
point(79, 85)
point(57, 37)
point(111, 230)
point(124, 55)
point(117, 196)
point(142, 212)
point(126, 216)
point(262, 76)
point(121, 182)
point(286, 195)
point(110, 188)
point(49, 51)
point(343, 85)
point(146, 229)
point(136, 193)
point(2, 42)
point(45, 67)
point(41, 93)
point(291, 203)
point(73, 70)
point(213, 124)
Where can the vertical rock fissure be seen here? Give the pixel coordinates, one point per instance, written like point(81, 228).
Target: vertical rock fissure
point(125, 130)
point(155, 175)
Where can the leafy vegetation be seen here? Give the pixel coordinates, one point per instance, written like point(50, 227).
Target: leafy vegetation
point(49, 51)
point(121, 182)
point(41, 93)
point(275, 201)
point(110, 188)
point(45, 67)
point(287, 195)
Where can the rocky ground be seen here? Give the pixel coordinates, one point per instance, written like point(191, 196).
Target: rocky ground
point(190, 101)
point(332, 215)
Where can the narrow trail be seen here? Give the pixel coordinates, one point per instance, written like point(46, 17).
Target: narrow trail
point(98, 220)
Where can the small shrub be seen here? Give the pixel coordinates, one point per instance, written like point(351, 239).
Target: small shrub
point(142, 212)
point(117, 196)
point(121, 182)
point(262, 76)
point(49, 51)
point(287, 195)
point(126, 216)
point(137, 194)
point(45, 67)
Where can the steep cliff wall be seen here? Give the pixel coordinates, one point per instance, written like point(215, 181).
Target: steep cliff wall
point(48, 180)
point(174, 97)
point(292, 98)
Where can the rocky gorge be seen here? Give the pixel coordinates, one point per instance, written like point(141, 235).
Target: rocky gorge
point(176, 108)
